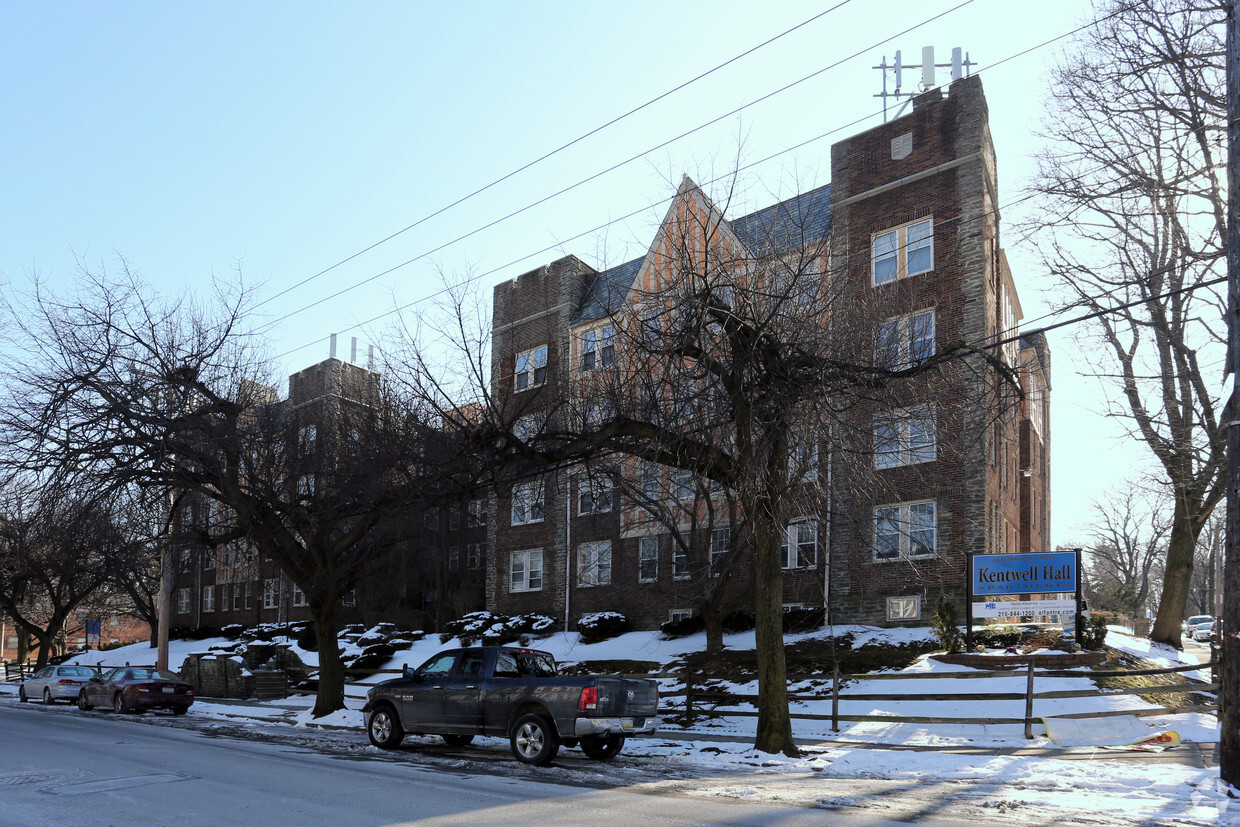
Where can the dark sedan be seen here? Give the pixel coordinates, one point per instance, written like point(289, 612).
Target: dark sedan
point(137, 689)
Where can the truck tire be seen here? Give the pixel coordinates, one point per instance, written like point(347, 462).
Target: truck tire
point(384, 729)
point(534, 740)
point(602, 747)
point(456, 740)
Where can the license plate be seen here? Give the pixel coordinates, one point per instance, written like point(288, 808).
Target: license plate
point(168, 690)
point(627, 723)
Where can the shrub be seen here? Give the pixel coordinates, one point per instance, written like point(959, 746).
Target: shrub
point(309, 638)
point(232, 631)
point(946, 625)
point(739, 621)
point(683, 626)
point(372, 657)
point(471, 626)
point(804, 620)
point(997, 637)
point(601, 626)
point(1095, 632)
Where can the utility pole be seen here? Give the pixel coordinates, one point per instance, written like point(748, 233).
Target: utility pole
point(1229, 643)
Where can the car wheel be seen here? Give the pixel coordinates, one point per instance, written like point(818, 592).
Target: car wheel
point(456, 740)
point(47, 696)
point(118, 703)
point(180, 710)
point(384, 729)
point(83, 704)
point(602, 747)
point(534, 740)
point(21, 694)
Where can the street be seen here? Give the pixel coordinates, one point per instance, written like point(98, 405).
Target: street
point(61, 766)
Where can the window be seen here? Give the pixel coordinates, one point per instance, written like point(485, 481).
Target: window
point(682, 484)
point(800, 547)
point(236, 600)
point(593, 495)
point(594, 564)
point(906, 340)
point(305, 485)
point(650, 482)
point(208, 560)
point(454, 518)
point(598, 347)
point(477, 513)
point(271, 593)
point(902, 252)
point(527, 503)
point(454, 558)
point(475, 555)
point(224, 597)
point(307, 438)
point(531, 368)
point(803, 459)
point(905, 437)
point(680, 557)
point(720, 546)
point(904, 608)
point(648, 559)
point(905, 530)
point(679, 614)
point(183, 601)
point(350, 598)
point(528, 427)
point(526, 571)
point(249, 594)
point(208, 599)
point(299, 597)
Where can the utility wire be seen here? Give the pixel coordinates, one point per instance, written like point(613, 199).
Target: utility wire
point(555, 151)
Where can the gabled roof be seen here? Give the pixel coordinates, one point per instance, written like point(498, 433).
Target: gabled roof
point(800, 220)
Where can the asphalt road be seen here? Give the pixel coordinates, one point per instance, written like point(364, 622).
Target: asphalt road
point(61, 766)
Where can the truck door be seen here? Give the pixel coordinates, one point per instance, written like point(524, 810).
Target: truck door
point(422, 701)
point(462, 693)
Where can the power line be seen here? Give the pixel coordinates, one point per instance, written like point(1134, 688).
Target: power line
point(613, 168)
point(555, 151)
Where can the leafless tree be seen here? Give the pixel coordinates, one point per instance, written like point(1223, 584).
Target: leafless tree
point(1131, 214)
point(172, 397)
point(1129, 545)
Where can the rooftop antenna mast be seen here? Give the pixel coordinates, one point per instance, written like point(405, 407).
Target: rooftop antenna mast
point(961, 66)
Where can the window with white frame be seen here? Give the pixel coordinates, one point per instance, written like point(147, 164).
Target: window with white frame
point(803, 459)
point(236, 597)
point(271, 593)
point(905, 437)
point(531, 369)
point(648, 559)
point(651, 483)
point(720, 547)
point(906, 340)
point(454, 518)
point(350, 598)
point(682, 484)
point(454, 558)
point(800, 546)
point(594, 564)
point(249, 594)
point(299, 597)
point(208, 559)
point(593, 495)
point(477, 513)
point(305, 485)
point(905, 530)
point(679, 614)
point(598, 347)
point(680, 556)
point(475, 555)
point(224, 588)
point(526, 571)
point(903, 251)
point(527, 502)
point(208, 598)
point(183, 601)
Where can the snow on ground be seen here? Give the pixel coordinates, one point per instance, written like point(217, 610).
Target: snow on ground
point(993, 763)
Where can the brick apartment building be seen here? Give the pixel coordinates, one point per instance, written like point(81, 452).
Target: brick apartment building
point(912, 225)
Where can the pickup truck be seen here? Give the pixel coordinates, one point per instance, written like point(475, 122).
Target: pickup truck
point(513, 693)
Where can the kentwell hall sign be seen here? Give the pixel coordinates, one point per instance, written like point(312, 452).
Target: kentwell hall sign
point(1024, 573)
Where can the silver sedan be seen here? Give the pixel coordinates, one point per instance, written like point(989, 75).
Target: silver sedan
point(56, 683)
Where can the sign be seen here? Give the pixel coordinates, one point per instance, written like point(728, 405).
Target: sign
point(1024, 608)
point(92, 627)
point(1024, 573)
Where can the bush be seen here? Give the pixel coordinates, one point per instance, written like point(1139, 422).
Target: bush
point(946, 625)
point(232, 631)
point(684, 626)
point(601, 626)
point(192, 633)
point(372, 657)
point(739, 621)
point(308, 640)
point(471, 626)
point(1095, 632)
point(997, 637)
point(804, 620)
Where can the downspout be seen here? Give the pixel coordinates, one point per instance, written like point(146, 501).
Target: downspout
point(568, 546)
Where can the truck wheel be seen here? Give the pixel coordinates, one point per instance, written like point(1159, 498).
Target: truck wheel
point(602, 747)
point(534, 740)
point(384, 729)
point(457, 740)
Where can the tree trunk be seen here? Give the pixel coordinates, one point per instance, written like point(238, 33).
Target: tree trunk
point(774, 722)
point(331, 669)
point(714, 631)
point(1178, 577)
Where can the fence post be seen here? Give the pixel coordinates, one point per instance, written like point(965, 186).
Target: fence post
point(835, 698)
point(1029, 703)
point(689, 676)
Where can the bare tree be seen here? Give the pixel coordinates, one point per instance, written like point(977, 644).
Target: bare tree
point(1132, 213)
point(172, 398)
point(1129, 544)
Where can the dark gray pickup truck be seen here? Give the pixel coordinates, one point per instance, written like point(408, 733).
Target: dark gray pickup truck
point(515, 693)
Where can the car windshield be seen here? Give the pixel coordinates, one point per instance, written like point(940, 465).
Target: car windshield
point(152, 674)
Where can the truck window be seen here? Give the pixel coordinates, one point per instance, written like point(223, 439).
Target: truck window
point(537, 664)
point(439, 667)
point(506, 664)
point(471, 664)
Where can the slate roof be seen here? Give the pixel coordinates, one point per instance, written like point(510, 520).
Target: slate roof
point(800, 220)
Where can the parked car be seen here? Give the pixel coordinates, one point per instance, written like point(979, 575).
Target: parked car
point(137, 689)
point(515, 693)
point(1193, 622)
point(1204, 632)
point(56, 683)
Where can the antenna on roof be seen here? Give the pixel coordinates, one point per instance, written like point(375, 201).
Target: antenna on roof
point(961, 66)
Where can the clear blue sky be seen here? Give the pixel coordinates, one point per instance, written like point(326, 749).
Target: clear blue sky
point(284, 137)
